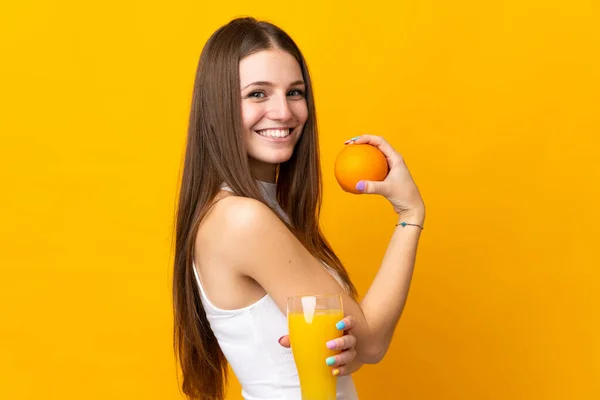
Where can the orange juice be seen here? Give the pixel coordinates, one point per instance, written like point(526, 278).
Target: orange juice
point(308, 335)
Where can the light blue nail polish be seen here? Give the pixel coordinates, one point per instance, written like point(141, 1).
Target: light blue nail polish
point(330, 361)
point(340, 325)
point(355, 138)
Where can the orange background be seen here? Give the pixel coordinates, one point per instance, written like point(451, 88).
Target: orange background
point(495, 106)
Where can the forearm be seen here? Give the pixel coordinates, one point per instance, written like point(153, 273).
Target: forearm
point(384, 302)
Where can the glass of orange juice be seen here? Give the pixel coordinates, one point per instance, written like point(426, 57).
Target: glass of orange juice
point(311, 321)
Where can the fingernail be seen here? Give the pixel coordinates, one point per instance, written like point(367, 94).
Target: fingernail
point(352, 140)
point(340, 325)
point(336, 372)
point(330, 361)
point(360, 185)
point(332, 344)
point(355, 138)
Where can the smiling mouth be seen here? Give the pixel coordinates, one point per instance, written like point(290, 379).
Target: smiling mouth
point(275, 133)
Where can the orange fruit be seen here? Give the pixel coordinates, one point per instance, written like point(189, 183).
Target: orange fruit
point(358, 162)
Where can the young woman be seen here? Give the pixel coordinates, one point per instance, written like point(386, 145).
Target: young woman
point(247, 234)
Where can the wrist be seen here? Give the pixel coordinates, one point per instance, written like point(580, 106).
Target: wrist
point(415, 216)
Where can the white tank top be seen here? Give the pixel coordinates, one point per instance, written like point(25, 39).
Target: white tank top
point(248, 338)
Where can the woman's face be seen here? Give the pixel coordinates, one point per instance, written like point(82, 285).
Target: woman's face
point(274, 109)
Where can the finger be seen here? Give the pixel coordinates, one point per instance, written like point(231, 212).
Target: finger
point(343, 343)
point(346, 323)
point(344, 357)
point(284, 341)
point(371, 187)
point(392, 155)
point(342, 370)
point(349, 323)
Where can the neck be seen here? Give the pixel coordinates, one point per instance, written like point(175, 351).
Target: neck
point(263, 171)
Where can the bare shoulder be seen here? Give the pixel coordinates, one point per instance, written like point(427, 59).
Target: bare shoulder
point(225, 246)
point(241, 215)
point(246, 238)
point(235, 222)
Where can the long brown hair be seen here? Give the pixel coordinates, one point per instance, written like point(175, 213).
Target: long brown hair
point(216, 153)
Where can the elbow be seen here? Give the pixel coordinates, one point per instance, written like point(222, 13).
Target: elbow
point(373, 354)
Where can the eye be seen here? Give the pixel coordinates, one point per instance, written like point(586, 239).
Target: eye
point(296, 93)
point(257, 95)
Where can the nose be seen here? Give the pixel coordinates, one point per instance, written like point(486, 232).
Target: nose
point(280, 109)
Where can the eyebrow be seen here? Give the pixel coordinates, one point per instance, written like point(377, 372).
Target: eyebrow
point(265, 83)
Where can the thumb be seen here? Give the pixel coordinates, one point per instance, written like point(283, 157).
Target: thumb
point(284, 341)
point(369, 187)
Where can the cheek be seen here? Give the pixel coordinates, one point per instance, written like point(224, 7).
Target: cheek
point(301, 112)
point(251, 114)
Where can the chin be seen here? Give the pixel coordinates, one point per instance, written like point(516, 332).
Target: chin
point(273, 157)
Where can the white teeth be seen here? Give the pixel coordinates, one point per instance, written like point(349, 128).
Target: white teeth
point(280, 133)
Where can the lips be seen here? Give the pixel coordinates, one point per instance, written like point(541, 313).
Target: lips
point(275, 132)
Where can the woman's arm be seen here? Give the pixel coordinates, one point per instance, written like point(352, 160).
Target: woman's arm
point(395, 273)
point(253, 241)
point(384, 301)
